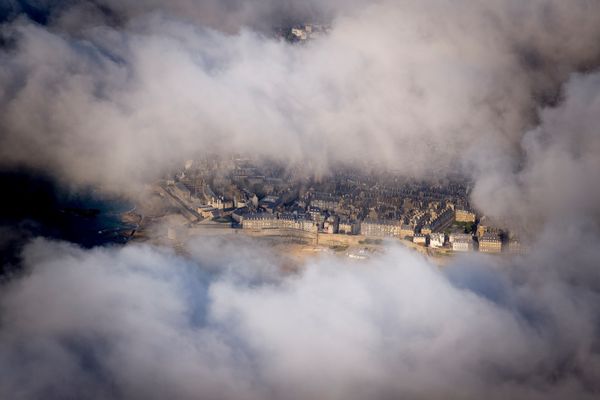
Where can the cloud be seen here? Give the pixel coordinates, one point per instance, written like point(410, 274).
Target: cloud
point(140, 322)
point(561, 160)
point(421, 87)
point(227, 16)
point(503, 91)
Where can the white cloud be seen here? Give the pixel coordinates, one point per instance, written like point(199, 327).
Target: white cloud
point(417, 86)
point(141, 322)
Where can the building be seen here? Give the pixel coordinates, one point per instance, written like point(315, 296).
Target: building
point(462, 215)
point(220, 202)
point(381, 229)
point(306, 224)
point(238, 215)
point(239, 201)
point(454, 236)
point(406, 231)
point(348, 227)
point(262, 221)
point(208, 212)
point(269, 204)
point(420, 238)
point(437, 240)
point(331, 225)
point(426, 229)
point(254, 200)
point(316, 214)
point(325, 202)
point(490, 243)
point(287, 221)
point(482, 226)
point(462, 243)
point(258, 221)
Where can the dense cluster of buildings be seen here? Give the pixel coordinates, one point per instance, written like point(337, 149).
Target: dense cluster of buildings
point(264, 196)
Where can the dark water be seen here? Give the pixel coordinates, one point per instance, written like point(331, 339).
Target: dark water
point(93, 222)
point(33, 205)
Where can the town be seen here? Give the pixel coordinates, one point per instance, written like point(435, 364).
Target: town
point(350, 207)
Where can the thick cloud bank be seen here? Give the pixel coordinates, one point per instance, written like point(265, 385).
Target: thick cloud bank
point(139, 322)
point(561, 163)
point(420, 86)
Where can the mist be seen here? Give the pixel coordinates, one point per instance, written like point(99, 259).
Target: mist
point(420, 87)
point(141, 322)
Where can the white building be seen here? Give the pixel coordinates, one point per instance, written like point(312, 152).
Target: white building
point(381, 228)
point(437, 240)
point(462, 244)
point(331, 225)
point(454, 236)
point(260, 221)
point(420, 238)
